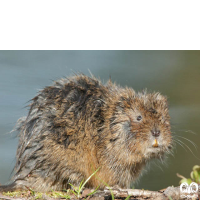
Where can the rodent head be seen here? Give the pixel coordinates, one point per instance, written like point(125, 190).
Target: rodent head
point(139, 124)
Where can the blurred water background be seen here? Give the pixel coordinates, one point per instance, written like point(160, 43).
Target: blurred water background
point(175, 74)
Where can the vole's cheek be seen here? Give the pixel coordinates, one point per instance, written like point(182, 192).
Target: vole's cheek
point(126, 127)
point(169, 140)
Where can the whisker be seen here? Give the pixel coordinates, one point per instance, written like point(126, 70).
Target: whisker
point(161, 159)
point(170, 152)
point(179, 142)
point(159, 166)
point(189, 141)
point(187, 131)
point(188, 148)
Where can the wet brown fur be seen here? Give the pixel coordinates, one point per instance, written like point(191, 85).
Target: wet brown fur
point(78, 125)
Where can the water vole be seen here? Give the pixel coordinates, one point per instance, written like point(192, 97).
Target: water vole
point(78, 125)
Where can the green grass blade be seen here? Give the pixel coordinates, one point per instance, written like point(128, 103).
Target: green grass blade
point(111, 192)
point(89, 178)
point(79, 188)
point(93, 191)
point(170, 198)
point(76, 194)
point(127, 198)
point(74, 188)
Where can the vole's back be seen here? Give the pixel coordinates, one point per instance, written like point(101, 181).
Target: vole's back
point(78, 125)
point(58, 122)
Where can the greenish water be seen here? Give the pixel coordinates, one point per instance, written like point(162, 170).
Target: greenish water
point(175, 74)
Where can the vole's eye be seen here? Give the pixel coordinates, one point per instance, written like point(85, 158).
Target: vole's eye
point(139, 118)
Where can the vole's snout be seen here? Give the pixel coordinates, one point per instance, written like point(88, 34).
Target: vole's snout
point(155, 132)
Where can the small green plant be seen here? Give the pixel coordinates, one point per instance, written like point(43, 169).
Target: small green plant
point(77, 191)
point(127, 198)
point(170, 198)
point(32, 192)
point(61, 194)
point(25, 194)
point(195, 176)
point(12, 194)
point(91, 193)
point(111, 192)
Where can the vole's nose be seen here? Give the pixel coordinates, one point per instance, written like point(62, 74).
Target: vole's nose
point(155, 132)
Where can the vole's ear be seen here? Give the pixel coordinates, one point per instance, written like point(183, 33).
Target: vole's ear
point(162, 99)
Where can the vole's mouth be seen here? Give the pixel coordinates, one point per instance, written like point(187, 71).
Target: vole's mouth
point(155, 143)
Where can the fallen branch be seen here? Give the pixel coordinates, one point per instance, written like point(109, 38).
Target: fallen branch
point(166, 194)
point(9, 198)
point(118, 193)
